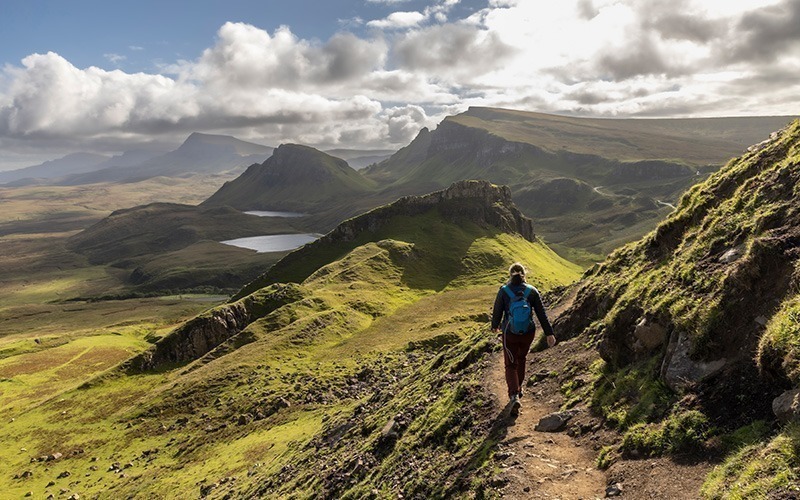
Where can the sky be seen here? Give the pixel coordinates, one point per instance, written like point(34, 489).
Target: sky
point(105, 77)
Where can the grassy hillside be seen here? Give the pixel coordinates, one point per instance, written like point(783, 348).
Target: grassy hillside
point(701, 316)
point(363, 377)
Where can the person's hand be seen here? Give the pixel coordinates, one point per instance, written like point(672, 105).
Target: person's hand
point(551, 340)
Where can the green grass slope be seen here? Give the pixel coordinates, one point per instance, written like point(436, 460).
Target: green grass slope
point(360, 380)
point(700, 317)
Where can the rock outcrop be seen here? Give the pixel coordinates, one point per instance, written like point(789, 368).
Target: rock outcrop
point(199, 336)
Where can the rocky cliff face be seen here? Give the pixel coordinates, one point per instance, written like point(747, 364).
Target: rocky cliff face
point(201, 335)
point(477, 201)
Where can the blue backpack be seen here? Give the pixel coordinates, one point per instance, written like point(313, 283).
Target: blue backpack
point(519, 310)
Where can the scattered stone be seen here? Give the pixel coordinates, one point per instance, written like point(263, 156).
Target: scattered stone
point(555, 421)
point(64, 474)
point(25, 475)
point(114, 467)
point(732, 255)
point(786, 407)
point(23, 449)
point(93, 459)
point(128, 465)
point(74, 496)
point(51, 483)
point(679, 371)
point(93, 468)
point(614, 490)
point(63, 491)
point(54, 456)
point(243, 420)
point(29, 494)
point(502, 455)
point(391, 430)
point(526, 489)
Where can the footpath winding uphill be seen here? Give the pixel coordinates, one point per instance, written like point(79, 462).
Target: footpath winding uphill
point(542, 464)
point(562, 465)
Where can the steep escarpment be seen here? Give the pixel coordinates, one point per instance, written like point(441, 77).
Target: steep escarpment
point(480, 204)
point(707, 306)
point(205, 333)
point(591, 185)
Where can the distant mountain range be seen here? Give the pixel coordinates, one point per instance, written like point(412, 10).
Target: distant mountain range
point(75, 163)
point(199, 153)
point(590, 184)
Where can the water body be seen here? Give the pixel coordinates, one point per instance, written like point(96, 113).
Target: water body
point(273, 242)
point(269, 213)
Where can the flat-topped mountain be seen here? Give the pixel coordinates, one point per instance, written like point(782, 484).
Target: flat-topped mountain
point(295, 177)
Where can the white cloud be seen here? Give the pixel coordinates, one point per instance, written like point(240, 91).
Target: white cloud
point(398, 20)
point(589, 57)
point(135, 48)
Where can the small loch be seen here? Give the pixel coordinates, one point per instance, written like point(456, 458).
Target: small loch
point(273, 242)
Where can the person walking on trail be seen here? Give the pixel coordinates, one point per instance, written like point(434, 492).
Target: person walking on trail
point(512, 317)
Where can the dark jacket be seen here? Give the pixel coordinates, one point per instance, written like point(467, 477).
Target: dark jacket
point(500, 314)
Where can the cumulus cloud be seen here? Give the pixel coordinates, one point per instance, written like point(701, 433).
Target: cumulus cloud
point(452, 49)
point(397, 20)
point(587, 57)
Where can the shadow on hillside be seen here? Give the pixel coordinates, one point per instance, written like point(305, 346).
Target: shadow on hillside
point(497, 433)
point(439, 255)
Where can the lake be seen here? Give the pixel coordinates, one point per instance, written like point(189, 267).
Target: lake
point(269, 213)
point(273, 242)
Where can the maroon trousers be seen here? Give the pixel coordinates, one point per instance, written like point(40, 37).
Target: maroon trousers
point(515, 350)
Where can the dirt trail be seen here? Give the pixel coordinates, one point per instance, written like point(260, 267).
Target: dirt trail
point(561, 465)
point(542, 464)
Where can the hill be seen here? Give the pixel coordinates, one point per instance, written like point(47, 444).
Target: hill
point(70, 164)
point(296, 178)
point(363, 376)
point(168, 246)
point(199, 154)
point(697, 324)
point(590, 184)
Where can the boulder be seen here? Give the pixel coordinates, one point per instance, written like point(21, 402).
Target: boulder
point(555, 422)
point(649, 334)
point(732, 255)
point(679, 371)
point(786, 407)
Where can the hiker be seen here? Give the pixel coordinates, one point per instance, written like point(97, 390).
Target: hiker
point(513, 305)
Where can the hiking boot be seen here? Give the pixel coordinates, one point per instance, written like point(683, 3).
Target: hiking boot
point(520, 393)
point(515, 405)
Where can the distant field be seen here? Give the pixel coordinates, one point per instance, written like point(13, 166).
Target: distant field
point(47, 342)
